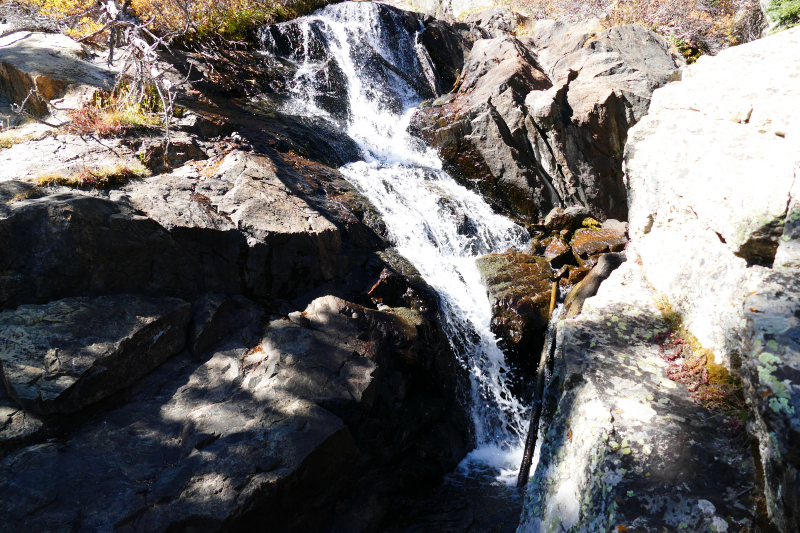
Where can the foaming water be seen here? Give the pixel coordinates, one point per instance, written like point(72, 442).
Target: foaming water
point(435, 223)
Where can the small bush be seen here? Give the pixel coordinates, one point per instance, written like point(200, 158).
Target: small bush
point(108, 115)
point(101, 178)
point(187, 19)
point(231, 19)
point(68, 10)
point(785, 12)
point(706, 25)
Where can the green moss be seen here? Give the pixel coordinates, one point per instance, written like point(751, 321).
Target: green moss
point(687, 49)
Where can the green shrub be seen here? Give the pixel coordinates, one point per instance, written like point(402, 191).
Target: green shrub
point(785, 12)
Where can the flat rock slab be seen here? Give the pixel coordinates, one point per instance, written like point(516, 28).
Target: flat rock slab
point(65, 355)
point(627, 449)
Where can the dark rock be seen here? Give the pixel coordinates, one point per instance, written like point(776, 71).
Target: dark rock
point(769, 369)
point(252, 225)
point(577, 274)
point(215, 316)
point(197, 124)
point(519, 288)
point(389, 289)
point(595, 241)
point(63, 356)
point(587, 288)
point(534, 131)
point(568, 219)
point(255, 434)
point(151, 150)
point(479, 134)
point(557, 253)
point(448, 46)
point(562, 272)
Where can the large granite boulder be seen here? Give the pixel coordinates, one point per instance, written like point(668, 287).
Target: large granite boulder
point(713, 178)
point(269, 424)
point(239, 224)
point(541, 121)
point(627, 448)
point(64, 355)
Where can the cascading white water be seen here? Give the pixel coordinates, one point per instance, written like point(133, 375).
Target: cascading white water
point(438, 225)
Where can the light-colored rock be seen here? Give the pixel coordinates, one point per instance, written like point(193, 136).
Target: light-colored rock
point(713, 175)
point(62, 70)
point(627, 449)
point(62, 356)
point(64, 155)
point(707, 166)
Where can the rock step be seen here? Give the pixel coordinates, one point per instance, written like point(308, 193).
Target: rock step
point(62, 356)
point(273, 427)
point(627, 449)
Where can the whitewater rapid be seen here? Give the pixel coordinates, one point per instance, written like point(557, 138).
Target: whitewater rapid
point(438, 225)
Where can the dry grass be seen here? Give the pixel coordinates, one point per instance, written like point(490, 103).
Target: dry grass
point(109, 115)
point(27, 195)
point(11, 137)
point(103, 178)
point(709, 383)
point(692, 25)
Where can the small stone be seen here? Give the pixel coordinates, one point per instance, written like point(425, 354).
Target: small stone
point(557, 253)
point(588, 242)
point(576, 274)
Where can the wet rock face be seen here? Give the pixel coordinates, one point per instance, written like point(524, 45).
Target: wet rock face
point(541, 121)
point(448, 45)
point(714, 174)
point(519, 287)
point(627, 448)
point(471, 135)
point(65, 355)
point(588, 244)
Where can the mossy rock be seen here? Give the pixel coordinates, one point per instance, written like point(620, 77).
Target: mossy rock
point(519, 287)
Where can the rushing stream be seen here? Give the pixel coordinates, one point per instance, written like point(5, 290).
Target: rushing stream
point(438, 225)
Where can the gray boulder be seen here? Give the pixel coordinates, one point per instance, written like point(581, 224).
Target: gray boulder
point(541, 122)
point(270, 430)
point(248, 224)
point(62, 356)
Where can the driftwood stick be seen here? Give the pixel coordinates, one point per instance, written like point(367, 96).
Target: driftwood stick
point(538, 401)
point(536, 413)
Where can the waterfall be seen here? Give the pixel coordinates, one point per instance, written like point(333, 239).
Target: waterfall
point(369, 53)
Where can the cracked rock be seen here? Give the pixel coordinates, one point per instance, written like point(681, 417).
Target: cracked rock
point(65, 355)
